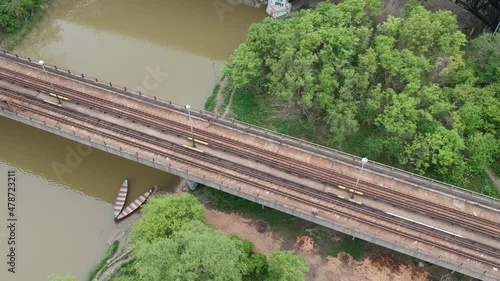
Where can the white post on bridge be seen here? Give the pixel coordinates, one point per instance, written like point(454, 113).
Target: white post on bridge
point(363, 162)
point(188, 107)
point(40, 62)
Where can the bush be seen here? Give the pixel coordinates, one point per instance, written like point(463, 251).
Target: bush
point(15, 13)
point(258, 267)
point(165, 214)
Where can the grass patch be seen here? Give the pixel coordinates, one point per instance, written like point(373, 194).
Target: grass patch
point(355, 248)
point(483, 184)
point(111, 252)
point(126, 271)
point(226, 96)
point(210, 103)
point(9, 40)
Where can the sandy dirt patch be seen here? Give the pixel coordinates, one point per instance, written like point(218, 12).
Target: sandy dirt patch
point(255, 231)
point(321, 268)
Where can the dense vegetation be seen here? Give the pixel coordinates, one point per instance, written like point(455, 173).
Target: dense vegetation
point(16, 19)
point(411, 89)
point(171, 242)
point(15, 13)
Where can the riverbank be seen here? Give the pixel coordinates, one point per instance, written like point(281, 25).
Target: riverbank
point(8, 40)
point(121, 233)
point(309, 244)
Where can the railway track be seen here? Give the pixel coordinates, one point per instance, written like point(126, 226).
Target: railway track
point(213, 161)
point(301, 169)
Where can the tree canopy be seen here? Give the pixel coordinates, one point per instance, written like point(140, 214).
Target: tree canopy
point(13, 13)
point(164, 215)
point(405, 86)
point(194, 253)
point(285, 266)
point(190, 250)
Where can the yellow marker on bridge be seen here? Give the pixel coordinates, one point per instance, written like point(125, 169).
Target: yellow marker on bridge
point(198, 141)
point(53, 103)
point(354, 201)
point(350, 190)
point(58, 96)
point(192, 148)
point(356, 192)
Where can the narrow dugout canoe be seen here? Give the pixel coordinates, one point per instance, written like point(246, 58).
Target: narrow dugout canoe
point(132, 207)
point(121, 198)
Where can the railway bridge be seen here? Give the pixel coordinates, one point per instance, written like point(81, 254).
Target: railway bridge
point(418, 216)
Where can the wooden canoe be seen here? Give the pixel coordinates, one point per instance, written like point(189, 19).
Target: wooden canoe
point(132, 207)
point(121, 198)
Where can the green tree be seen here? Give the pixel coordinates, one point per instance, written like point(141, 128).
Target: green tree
point(484, 58)
point(252, 266)
point(165, 214)
point(13, 13)
point(442, 150)
point(481, 149)
point(62, 277)
point(193, 253)
point(403, 87)
point(258, 267)
point(285, 266)
point(311, 61)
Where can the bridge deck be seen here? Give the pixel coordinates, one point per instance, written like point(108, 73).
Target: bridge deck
point(264, 188)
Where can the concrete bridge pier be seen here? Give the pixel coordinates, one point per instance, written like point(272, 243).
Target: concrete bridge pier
point(192, 185)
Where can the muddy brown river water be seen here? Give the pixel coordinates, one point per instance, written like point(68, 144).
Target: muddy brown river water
point(64, 190)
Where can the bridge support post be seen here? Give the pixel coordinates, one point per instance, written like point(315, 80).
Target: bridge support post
point(192, 185)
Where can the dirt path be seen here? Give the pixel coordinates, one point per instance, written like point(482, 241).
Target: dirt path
point(228, 106)
point(321, 268)
point(219, 99)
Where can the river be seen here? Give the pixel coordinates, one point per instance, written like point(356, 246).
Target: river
point(65, 190)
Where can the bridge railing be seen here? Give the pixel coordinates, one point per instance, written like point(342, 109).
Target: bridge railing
point(386, 170)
